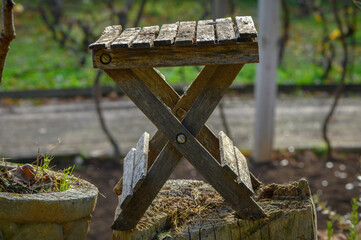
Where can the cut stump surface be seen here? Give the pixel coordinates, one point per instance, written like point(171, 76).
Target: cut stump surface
point(189, 209)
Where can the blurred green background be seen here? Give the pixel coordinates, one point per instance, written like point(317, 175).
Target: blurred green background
point(38, 61)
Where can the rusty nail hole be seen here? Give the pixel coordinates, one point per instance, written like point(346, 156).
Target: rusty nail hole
point(105, 58)
point(181, 112)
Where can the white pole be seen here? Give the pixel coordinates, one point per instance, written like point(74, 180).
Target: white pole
point(266, 85)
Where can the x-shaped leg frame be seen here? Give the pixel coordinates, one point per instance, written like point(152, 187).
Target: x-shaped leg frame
point(162, 105)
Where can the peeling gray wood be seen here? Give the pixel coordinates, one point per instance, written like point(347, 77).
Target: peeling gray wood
point(225, 30)
point(109, 34)
point(243, 174)
point(127, 189)
point(146, 37)
point(205, 32)
point(167, 35)
point(186, 33)
point(233, 161)
point(141, 161)
point(245, 27)
point(126, 38)
point(228, 159)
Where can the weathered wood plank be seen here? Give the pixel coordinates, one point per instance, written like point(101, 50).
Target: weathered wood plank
point(205, 32)
point(228, 159)
point(192, 150)
point(167, 35)
point(141, 161)
point(158, 85)
point(155, 81)
point(186, 33)
point(245, 27)
point(126, 39)
point(109, 34)
point(225, 30)
point(128, 172)
point(146, 37)
point(166, 56)
point(243, 174)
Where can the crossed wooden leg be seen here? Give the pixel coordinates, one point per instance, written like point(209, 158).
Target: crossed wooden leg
point(216, 82)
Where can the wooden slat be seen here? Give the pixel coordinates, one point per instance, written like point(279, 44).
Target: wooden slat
point(126, 38)
point(186, 33)
point(166, 56)
point(141, 161)
point(243, 175)
point(205, 32)
point(228, 159)
point(192, 150)
point(109, 34)
point(127, 189)
point(167, 35)
point(245, 27)
point(225, 30)
point(146, 37)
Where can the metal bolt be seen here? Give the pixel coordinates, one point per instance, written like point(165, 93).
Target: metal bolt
point(181, 112)
point(181, 138)
point(105, 58)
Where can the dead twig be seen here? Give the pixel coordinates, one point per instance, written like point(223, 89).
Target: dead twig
point(96, 93)
point(286, 27)
point(8, 32)
point(225, 124)
point(338, 92)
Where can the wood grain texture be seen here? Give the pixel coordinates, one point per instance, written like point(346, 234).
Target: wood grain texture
point(146, 36)
point(243, 174)
point(192, 150)
point(245, 27)
point(109, 34)
point(141, 161)
point(167, 56)
point(228, 159)
point(186, 33)
point(157, 83)
point(295, 221)
point(125, 39)
point(167, 35)
point(225, 30)
point(205, 32)
point(128, 178)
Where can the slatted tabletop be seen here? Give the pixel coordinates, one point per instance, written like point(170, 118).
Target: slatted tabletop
point(219, 41)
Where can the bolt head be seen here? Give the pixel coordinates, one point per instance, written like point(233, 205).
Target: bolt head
point(181, 138)
point(105, 58)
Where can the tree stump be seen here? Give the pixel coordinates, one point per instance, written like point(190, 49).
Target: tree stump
point(189, 209)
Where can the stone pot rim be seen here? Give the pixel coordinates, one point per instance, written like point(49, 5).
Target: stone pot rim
point(58, 207)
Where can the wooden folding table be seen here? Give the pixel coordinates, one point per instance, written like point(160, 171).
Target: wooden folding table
point(130, 57)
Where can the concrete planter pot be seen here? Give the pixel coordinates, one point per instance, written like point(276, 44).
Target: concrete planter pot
point(47, 216)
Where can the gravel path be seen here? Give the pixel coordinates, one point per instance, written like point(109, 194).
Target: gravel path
point(72, 128)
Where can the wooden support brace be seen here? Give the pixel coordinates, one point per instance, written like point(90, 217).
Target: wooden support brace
point(192, 149)
point(233, 161)
point(135, 170)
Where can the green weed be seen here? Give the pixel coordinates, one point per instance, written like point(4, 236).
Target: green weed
point(354, 220)
point(35, 61)
point(329, 230)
